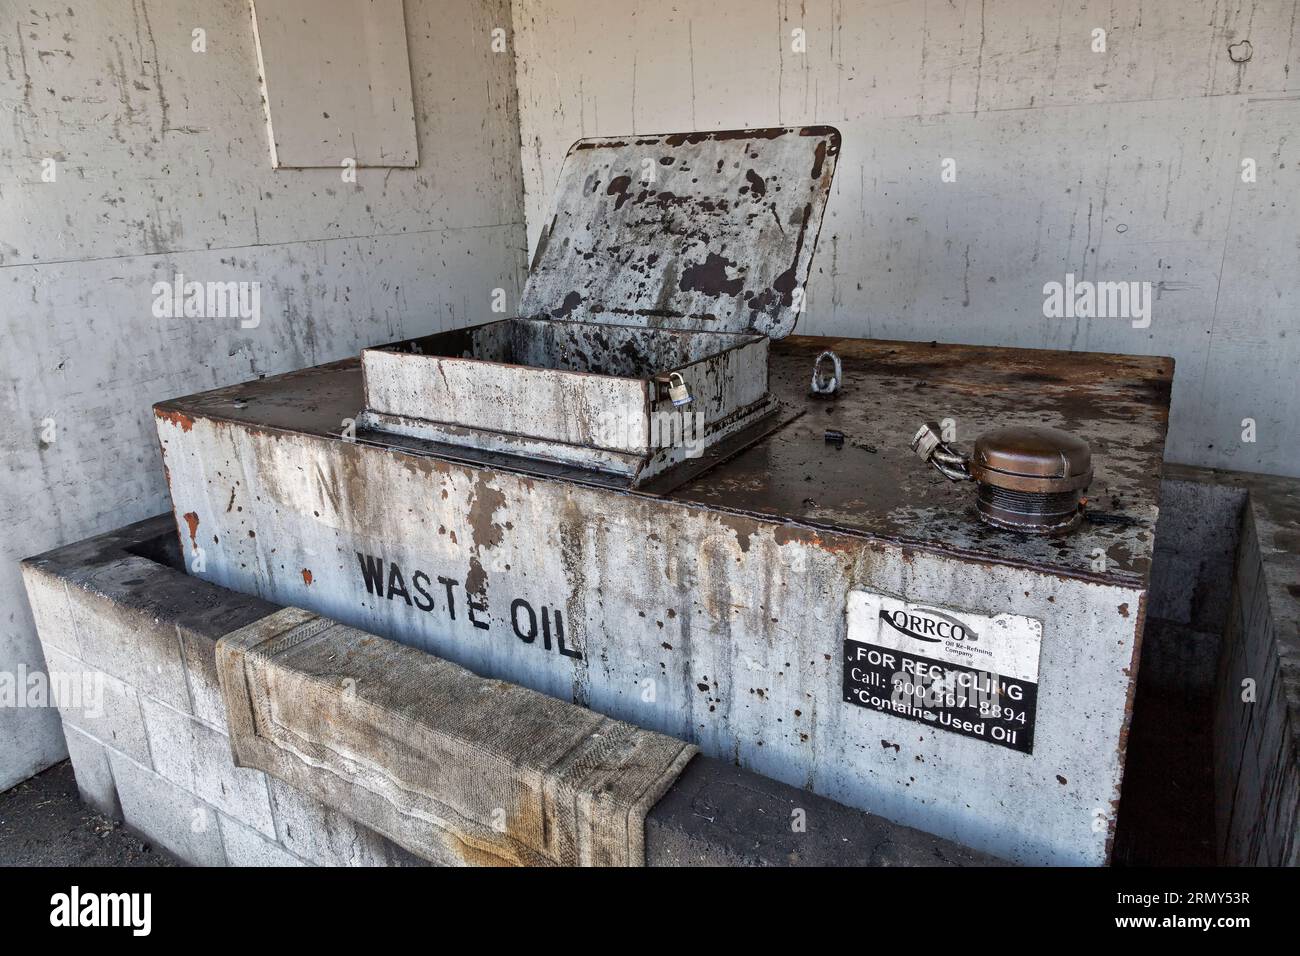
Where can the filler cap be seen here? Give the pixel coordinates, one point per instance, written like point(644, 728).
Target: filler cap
point(1036, 459)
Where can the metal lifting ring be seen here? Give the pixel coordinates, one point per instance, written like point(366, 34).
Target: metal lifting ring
point(820, 384)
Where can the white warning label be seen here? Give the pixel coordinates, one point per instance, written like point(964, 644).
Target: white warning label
point(971, 674)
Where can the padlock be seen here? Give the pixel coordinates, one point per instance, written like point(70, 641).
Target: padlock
point(677, 390)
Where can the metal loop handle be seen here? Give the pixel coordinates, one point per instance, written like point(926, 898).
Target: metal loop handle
point(822, 385)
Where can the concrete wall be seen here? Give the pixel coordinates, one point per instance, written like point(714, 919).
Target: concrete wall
point(1167, 807)
point(1122, 165)
point(163, 166)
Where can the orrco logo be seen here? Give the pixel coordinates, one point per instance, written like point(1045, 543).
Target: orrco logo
point(931, 626)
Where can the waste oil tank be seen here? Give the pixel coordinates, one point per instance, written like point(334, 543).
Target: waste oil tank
point(644, 495)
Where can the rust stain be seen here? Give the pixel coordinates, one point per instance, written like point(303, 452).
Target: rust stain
point(743, 527)
point(481, 856)
point(571, 302)
point(787, 533)
point(179, 419)
point(1122, 748)
point(192, 519)
point(484, 503)
point(306, 577)
point(521, 842)
point(678, 139)
point(618, 187)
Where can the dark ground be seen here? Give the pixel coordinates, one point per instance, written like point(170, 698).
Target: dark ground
point(44, 823)
point(1166, 811)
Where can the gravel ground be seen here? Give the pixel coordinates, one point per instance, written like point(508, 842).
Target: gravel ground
point(44, 823)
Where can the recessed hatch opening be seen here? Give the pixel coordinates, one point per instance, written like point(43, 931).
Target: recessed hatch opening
point(642, 334)
point(589, 347)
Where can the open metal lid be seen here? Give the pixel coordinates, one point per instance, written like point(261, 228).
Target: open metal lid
point(709, 231)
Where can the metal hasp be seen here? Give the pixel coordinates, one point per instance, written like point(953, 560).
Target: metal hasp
point(642, 340)
point(1030, 478)
point(930, 447)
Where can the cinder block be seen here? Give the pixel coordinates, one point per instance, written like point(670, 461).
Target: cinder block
point(245, 847)
point(98, 704)
point(200, 654)
point(209, 614)
point(48, 598)
point(178, 821)
point(1196, 542)
point(90, 765)
point(1173, 585)
point(196, 757)
point(1199, 518)
point(326, 837)
point(123, 628)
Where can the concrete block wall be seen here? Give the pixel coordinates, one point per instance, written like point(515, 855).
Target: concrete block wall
point(1211, 771)
point(1257, 709)
point(1191, 581)
point(1166, 811)
point(137, 692)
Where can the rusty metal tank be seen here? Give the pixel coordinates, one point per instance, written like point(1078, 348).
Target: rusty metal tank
point(827, 614)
